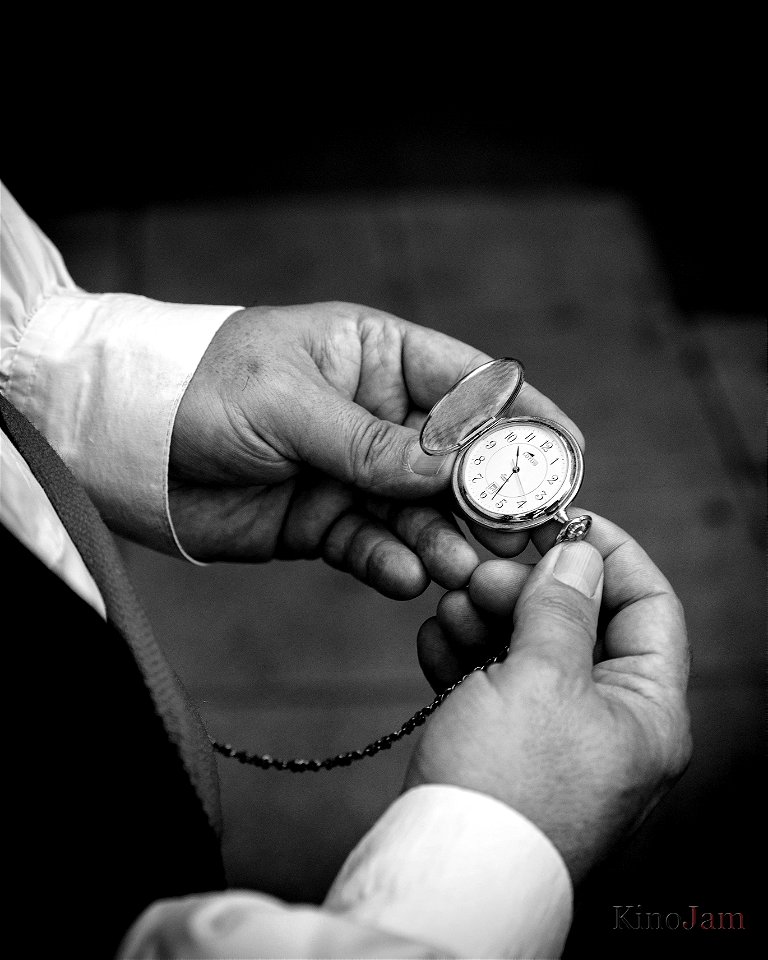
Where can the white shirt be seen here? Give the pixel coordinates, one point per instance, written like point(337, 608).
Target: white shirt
point(445, 871)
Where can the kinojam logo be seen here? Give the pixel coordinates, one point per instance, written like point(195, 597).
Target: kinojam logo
point(633, 918)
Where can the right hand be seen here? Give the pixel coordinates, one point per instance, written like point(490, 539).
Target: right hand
point(298, 437)
point(583, 746)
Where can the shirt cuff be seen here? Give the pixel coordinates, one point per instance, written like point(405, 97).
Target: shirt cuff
point(462, 871)
point(102, 376)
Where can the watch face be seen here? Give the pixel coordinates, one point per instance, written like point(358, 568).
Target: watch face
point(518, 473)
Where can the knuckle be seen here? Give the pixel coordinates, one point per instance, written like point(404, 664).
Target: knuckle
point(346, 308)
point(681, 761)
point(453, 611)
point(370, 448)
point(567, 612)
point(475, 360)
point(678, 607)
point(432, 534)
point(661, 745)
point(338, 542)
point(679, 747)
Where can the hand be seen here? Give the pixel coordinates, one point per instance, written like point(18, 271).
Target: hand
point(298, 437)
point(582, 742)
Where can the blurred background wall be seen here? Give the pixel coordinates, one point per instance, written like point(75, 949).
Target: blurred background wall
point(602, 225)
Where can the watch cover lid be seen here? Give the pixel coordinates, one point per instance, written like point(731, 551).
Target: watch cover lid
point(473, 403)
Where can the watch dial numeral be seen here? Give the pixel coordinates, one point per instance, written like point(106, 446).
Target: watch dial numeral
point(511, 436)
point(530, 436)
point(476, 477)
point(555, 460)
point(501, 503)
point(547, 445)
point(484, 494)
point(478, 460)
point(521, 503)
point(541, 495)
point(553, 479)
point(490, 444)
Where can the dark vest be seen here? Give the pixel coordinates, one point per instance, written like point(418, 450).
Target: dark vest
point(112, 782)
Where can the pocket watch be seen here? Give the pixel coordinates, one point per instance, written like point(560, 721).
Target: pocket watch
point(511, 473)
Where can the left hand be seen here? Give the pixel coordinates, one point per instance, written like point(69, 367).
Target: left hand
point(297, 437)
point(584, 726)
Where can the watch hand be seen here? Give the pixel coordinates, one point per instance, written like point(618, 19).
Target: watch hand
point(516, 472)
point(516, 475)
point(506, 480)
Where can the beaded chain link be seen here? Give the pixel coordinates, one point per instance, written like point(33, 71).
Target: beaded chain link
point(297, 765)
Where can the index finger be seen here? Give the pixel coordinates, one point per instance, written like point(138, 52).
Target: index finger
point(647, 621)
point(532, 403)
point(433, 362)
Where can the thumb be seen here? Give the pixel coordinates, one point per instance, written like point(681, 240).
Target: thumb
point(348, 442)
point(556, 615)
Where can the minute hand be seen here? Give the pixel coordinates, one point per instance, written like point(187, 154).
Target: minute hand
point(505, 482)
point(513, 474)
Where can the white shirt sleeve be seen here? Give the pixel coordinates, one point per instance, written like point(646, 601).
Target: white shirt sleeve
point(445, 872)
point(100, 375)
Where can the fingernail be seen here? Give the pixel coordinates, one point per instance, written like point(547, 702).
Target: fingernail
point(580, 566)
point(424, 464)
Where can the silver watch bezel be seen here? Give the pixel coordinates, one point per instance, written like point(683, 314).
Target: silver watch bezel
point(533, 518)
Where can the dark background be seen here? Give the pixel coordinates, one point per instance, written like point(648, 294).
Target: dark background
point(677, 130)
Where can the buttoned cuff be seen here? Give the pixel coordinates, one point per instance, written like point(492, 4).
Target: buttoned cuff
point(102, 376)
point(462, 871)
